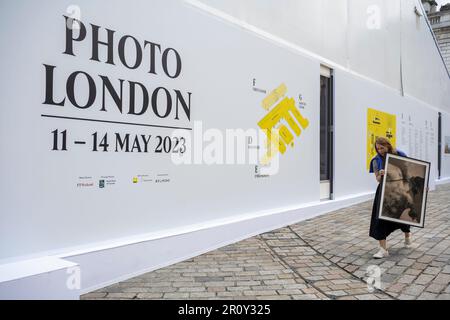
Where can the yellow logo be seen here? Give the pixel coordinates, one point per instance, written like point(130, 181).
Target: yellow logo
point(278, 135)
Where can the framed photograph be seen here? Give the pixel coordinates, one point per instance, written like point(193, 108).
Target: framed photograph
point(447, 145)
point(404, 190)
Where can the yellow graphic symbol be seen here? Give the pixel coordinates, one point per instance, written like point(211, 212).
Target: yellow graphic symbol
point(278, 135)
point(274, 96)
point(379, 124)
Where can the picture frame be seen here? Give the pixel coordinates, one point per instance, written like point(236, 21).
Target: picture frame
point(404, 190)
point(447, 145)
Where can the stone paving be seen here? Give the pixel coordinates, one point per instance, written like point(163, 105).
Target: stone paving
point(326, 257)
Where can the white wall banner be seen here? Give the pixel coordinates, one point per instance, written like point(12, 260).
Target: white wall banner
point(99, 99)
point(120, 119)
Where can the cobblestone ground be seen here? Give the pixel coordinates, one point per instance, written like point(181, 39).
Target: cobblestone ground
point(322, 258)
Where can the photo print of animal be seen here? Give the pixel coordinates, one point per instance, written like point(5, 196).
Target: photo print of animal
point(404, 190)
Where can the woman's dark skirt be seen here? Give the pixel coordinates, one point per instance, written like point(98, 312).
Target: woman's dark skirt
point(381, 229)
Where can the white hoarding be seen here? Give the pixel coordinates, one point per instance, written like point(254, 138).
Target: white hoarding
point(89, 110)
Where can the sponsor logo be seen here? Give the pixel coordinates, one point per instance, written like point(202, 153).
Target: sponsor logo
point(85, 184)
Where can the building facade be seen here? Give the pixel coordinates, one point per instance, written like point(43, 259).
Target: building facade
point(440, 22)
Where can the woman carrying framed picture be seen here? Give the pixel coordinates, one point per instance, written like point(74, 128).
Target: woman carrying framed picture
point(381, 229)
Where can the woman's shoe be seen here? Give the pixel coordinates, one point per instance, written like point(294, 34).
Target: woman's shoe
point(382, 253)
point(408, 242)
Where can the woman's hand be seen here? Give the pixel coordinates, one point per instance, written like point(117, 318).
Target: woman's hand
point(381, 172)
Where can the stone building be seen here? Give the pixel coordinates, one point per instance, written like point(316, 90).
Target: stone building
point(440, 22)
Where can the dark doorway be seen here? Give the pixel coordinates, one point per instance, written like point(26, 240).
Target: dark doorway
point(326, 134)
